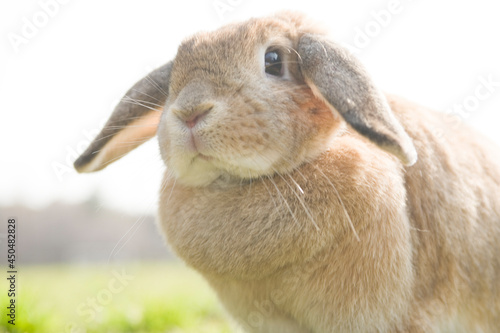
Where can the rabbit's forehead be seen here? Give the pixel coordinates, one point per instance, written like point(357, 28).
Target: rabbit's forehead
point(233, 42)
point(224, 54)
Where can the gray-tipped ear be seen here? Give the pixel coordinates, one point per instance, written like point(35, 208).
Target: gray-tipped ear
point(133, 122)
point(338, 78)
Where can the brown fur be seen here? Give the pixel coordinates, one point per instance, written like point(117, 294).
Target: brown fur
point(427, 258)
point(302, 224)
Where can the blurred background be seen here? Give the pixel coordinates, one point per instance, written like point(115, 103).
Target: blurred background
point(65, 64)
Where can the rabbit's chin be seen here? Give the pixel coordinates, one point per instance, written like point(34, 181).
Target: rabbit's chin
point(201, 170)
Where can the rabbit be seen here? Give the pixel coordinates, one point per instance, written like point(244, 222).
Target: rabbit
point(310, 200)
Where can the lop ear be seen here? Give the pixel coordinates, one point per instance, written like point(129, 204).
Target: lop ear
point(133, 122)
point(338, 78)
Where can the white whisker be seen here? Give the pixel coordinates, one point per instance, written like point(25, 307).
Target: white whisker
point(127, 236)
point(284, 201)
point(301, 201)
point(156, 85)
point(267, 188)
point(298, 186)
point(142, 92)
point(340, 200)
point(142, 103)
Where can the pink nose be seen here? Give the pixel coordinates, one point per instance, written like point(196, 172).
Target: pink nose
point(195, 118)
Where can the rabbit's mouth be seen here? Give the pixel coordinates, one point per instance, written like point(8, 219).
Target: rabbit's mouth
point(205, 157)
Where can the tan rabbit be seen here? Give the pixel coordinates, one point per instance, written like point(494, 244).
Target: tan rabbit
point(293, 186)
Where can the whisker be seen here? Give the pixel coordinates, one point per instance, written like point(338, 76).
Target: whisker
point(130, 99)
point(132, 230)
point(142, 92)
point(122, 127)
point(156, 85)
point(284, 201)
point(171, 191)
point(251, 182)
point(297, 53)
point(133, 126)
point(289, 49)
point(298, 186)
point(301, 174)
point(267, 188)
point(341, 202)
point(131, 143)
point(124, 144)
point(143, 104)
point(302, 203)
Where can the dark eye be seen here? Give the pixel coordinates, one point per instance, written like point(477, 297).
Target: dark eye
point(274, 65)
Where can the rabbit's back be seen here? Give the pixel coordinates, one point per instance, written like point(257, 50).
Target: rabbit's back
point(454, 206)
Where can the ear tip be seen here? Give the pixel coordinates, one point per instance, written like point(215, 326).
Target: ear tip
point(410, 156)
point(79, 165)
point(83, 164)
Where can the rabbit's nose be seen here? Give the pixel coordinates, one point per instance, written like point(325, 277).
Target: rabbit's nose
point(194, 118)
point(191, 116)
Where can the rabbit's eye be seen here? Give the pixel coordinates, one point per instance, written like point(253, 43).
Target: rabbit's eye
point(274, 65)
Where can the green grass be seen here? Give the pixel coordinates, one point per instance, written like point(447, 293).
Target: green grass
point(161, 297)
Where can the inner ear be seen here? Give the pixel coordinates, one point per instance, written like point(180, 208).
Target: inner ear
point(131, 136)
point(133, 122)
point(339, 79)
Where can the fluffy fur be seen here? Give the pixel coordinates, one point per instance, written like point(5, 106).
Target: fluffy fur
point(278, 193)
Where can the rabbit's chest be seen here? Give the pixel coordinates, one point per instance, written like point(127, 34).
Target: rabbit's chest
point(244, 231)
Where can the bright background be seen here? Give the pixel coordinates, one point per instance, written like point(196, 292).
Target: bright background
point(56, 90)
point(65, 81)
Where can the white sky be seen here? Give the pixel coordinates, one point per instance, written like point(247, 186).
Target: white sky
point(68, 76)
